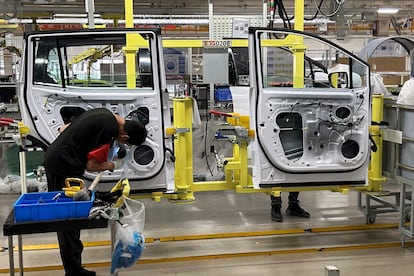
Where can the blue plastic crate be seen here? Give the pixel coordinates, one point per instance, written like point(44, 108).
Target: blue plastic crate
point(41, 206)
point(222, 94)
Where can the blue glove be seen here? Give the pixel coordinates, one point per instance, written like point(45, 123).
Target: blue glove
point(113, 151)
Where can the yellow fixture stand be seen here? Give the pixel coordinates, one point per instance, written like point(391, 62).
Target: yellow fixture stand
point(183, 147)
point(375, 167)
point(236, 169)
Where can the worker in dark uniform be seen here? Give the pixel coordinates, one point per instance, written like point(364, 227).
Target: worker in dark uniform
point(67, 157)
point(293, 208)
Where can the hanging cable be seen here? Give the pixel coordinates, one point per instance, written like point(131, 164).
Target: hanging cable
point(283, 14)
point(338, 6)
point(317, 12)
point(279, 6)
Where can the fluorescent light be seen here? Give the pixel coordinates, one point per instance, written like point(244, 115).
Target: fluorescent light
point(388, 10)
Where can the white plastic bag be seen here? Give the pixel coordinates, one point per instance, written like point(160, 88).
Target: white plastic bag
point(129, 240)
point(406, 95)
point(378, 85)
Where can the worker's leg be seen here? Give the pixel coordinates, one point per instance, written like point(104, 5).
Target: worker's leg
point(55, 182)
point(276, 202)
point(71, 251)
point(70, 244)
point(294, 208)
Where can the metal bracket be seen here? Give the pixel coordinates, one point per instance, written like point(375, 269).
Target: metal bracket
point(182, 130)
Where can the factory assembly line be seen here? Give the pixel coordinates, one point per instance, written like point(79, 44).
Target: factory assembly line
point(302, 117)
point(311, 134)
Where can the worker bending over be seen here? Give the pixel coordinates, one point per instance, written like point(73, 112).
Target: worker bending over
point(67, 157)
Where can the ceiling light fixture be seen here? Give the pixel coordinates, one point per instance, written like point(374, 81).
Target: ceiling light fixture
point(388, 10)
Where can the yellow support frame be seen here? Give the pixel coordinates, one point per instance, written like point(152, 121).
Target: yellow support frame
point(375, 176)
point(290, 40)
point(237, 177)
point(236, 170)
point(299, 49)
point(183, 147)
point(236, 173)
point(131, 47)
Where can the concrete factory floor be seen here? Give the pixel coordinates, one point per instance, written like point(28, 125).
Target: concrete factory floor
point(224, 233)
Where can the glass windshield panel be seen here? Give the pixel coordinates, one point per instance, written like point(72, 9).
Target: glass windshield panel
point(97, 60)
point(319, 61)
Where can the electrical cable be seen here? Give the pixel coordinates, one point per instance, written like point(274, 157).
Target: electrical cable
point(338, 6)
point(316, 14)
point(283, 15)
point(205, 141)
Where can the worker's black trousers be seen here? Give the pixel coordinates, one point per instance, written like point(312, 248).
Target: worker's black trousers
point(70, 244)
point(71, 249)
point(277, 201)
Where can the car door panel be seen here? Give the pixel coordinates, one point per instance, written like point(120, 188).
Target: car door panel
point(309, 134)
point(67, 73)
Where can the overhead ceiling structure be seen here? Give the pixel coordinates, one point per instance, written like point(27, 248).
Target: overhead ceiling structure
point(45, 8)
point(164, 12)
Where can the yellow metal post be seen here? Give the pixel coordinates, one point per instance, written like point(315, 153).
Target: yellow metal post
point(237, 166)
point(183, 147)
point(130, 48)
point(129, 13)
point(245, 180)
point(375, 167)
point(299, 48)
point(299, 15)
point(298, 65)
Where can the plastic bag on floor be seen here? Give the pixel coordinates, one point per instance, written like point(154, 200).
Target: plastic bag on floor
point(129, 240)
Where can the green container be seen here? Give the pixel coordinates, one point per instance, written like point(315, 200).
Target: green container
point(12, 164)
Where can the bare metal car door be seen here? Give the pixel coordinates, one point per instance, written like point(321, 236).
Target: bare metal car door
point(65, 73)
point(311, 125)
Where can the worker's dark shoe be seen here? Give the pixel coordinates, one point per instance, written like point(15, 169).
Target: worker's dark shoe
point(276, 214)
point(85, 272)
point(297, 211)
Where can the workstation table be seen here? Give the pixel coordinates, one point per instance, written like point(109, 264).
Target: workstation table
point(12, 228)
